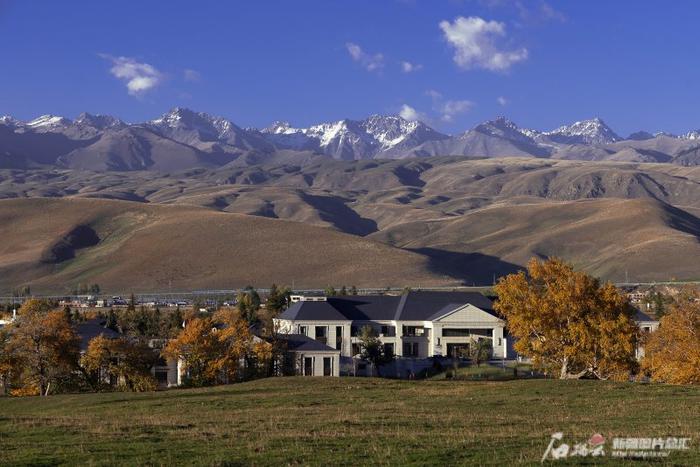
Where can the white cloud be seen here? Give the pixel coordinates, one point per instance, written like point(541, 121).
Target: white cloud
point(408, 67)
point(502, 101)
point(529, 11)
point(139, 77)
point(192, 76)
point(450, 109)
point(368, 61)
point(409, 113)
point(547, 12)
point(475, 41)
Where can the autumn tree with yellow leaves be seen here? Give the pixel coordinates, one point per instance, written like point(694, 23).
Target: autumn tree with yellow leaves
point(7, 360)
point(672, 353)
point(122, 362)
point(44, 346)
point(219, 349)
point(567, 322)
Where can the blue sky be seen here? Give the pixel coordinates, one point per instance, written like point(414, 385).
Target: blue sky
point(633, 63)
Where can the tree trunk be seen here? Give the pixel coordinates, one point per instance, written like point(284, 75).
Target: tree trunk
point(563, 374)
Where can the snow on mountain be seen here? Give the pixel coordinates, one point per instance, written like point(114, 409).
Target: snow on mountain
point(593, 131)
point(206, 132)
point(47, 122)
point(692, 135)
point(100, 122)
point(353, 139)
point(8, 121)
point(180, 121)
point(502, 127)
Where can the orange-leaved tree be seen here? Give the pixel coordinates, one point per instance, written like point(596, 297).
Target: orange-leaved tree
point(7, 360)
point(122, 362)
point(672, 353)
point(45, 345)
point(235, 342)
point(196, 347)
point(566, 321)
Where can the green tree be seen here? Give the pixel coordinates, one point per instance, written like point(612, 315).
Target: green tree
point(174, 322)
point(480, 350)
point(248, 302)
point(111, 321)
point(68, 313)
point(330, 291)
point(353, 290)
point(131, 306)
point(372, 349)
point(277, 299)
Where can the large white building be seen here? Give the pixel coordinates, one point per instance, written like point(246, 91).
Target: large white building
point(415, 325)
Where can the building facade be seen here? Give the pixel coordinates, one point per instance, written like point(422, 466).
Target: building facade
point(415, 325)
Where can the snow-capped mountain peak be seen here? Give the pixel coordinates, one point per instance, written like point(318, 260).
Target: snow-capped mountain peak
point(279, 127)
point(8, 120)
point(692, 135)
point(353, 139)
point(99, 122)
point(502, 127)
point(48, 121)
point(180, 119)
point(592, 131)
point(390, 130)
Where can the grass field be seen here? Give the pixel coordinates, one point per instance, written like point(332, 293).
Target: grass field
point(342, 421)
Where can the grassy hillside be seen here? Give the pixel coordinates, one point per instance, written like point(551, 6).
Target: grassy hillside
point(146, 247)
point(343, 421)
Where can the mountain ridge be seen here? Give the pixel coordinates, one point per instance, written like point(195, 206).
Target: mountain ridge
point(209, 141)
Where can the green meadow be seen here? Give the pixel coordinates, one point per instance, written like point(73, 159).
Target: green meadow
point(343, 421)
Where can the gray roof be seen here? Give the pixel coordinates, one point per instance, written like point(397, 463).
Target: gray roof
point(88, 330)
point(411, 306)
point(641, 316)
point(300, 342)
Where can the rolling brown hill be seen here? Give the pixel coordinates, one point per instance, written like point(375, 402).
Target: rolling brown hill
point(457, 219)
point(618, 239)
point(50, 243)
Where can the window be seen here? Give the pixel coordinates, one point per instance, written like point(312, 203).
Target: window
point(465, 332)
point(354, 331)
point(308, 366)
point(389, 349)
point(413, 331)
point(388, 331)
point(410, 349)
point(162, 377)
point(338, 337)
point(321, 334)
point(356, 349)
point(302, 330)
point(327, 366)
point(455, 332)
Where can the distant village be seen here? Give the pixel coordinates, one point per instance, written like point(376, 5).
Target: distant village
point(158, 341)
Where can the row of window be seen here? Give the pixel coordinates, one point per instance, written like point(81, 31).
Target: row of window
point(321, 334)
point(309, 366)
